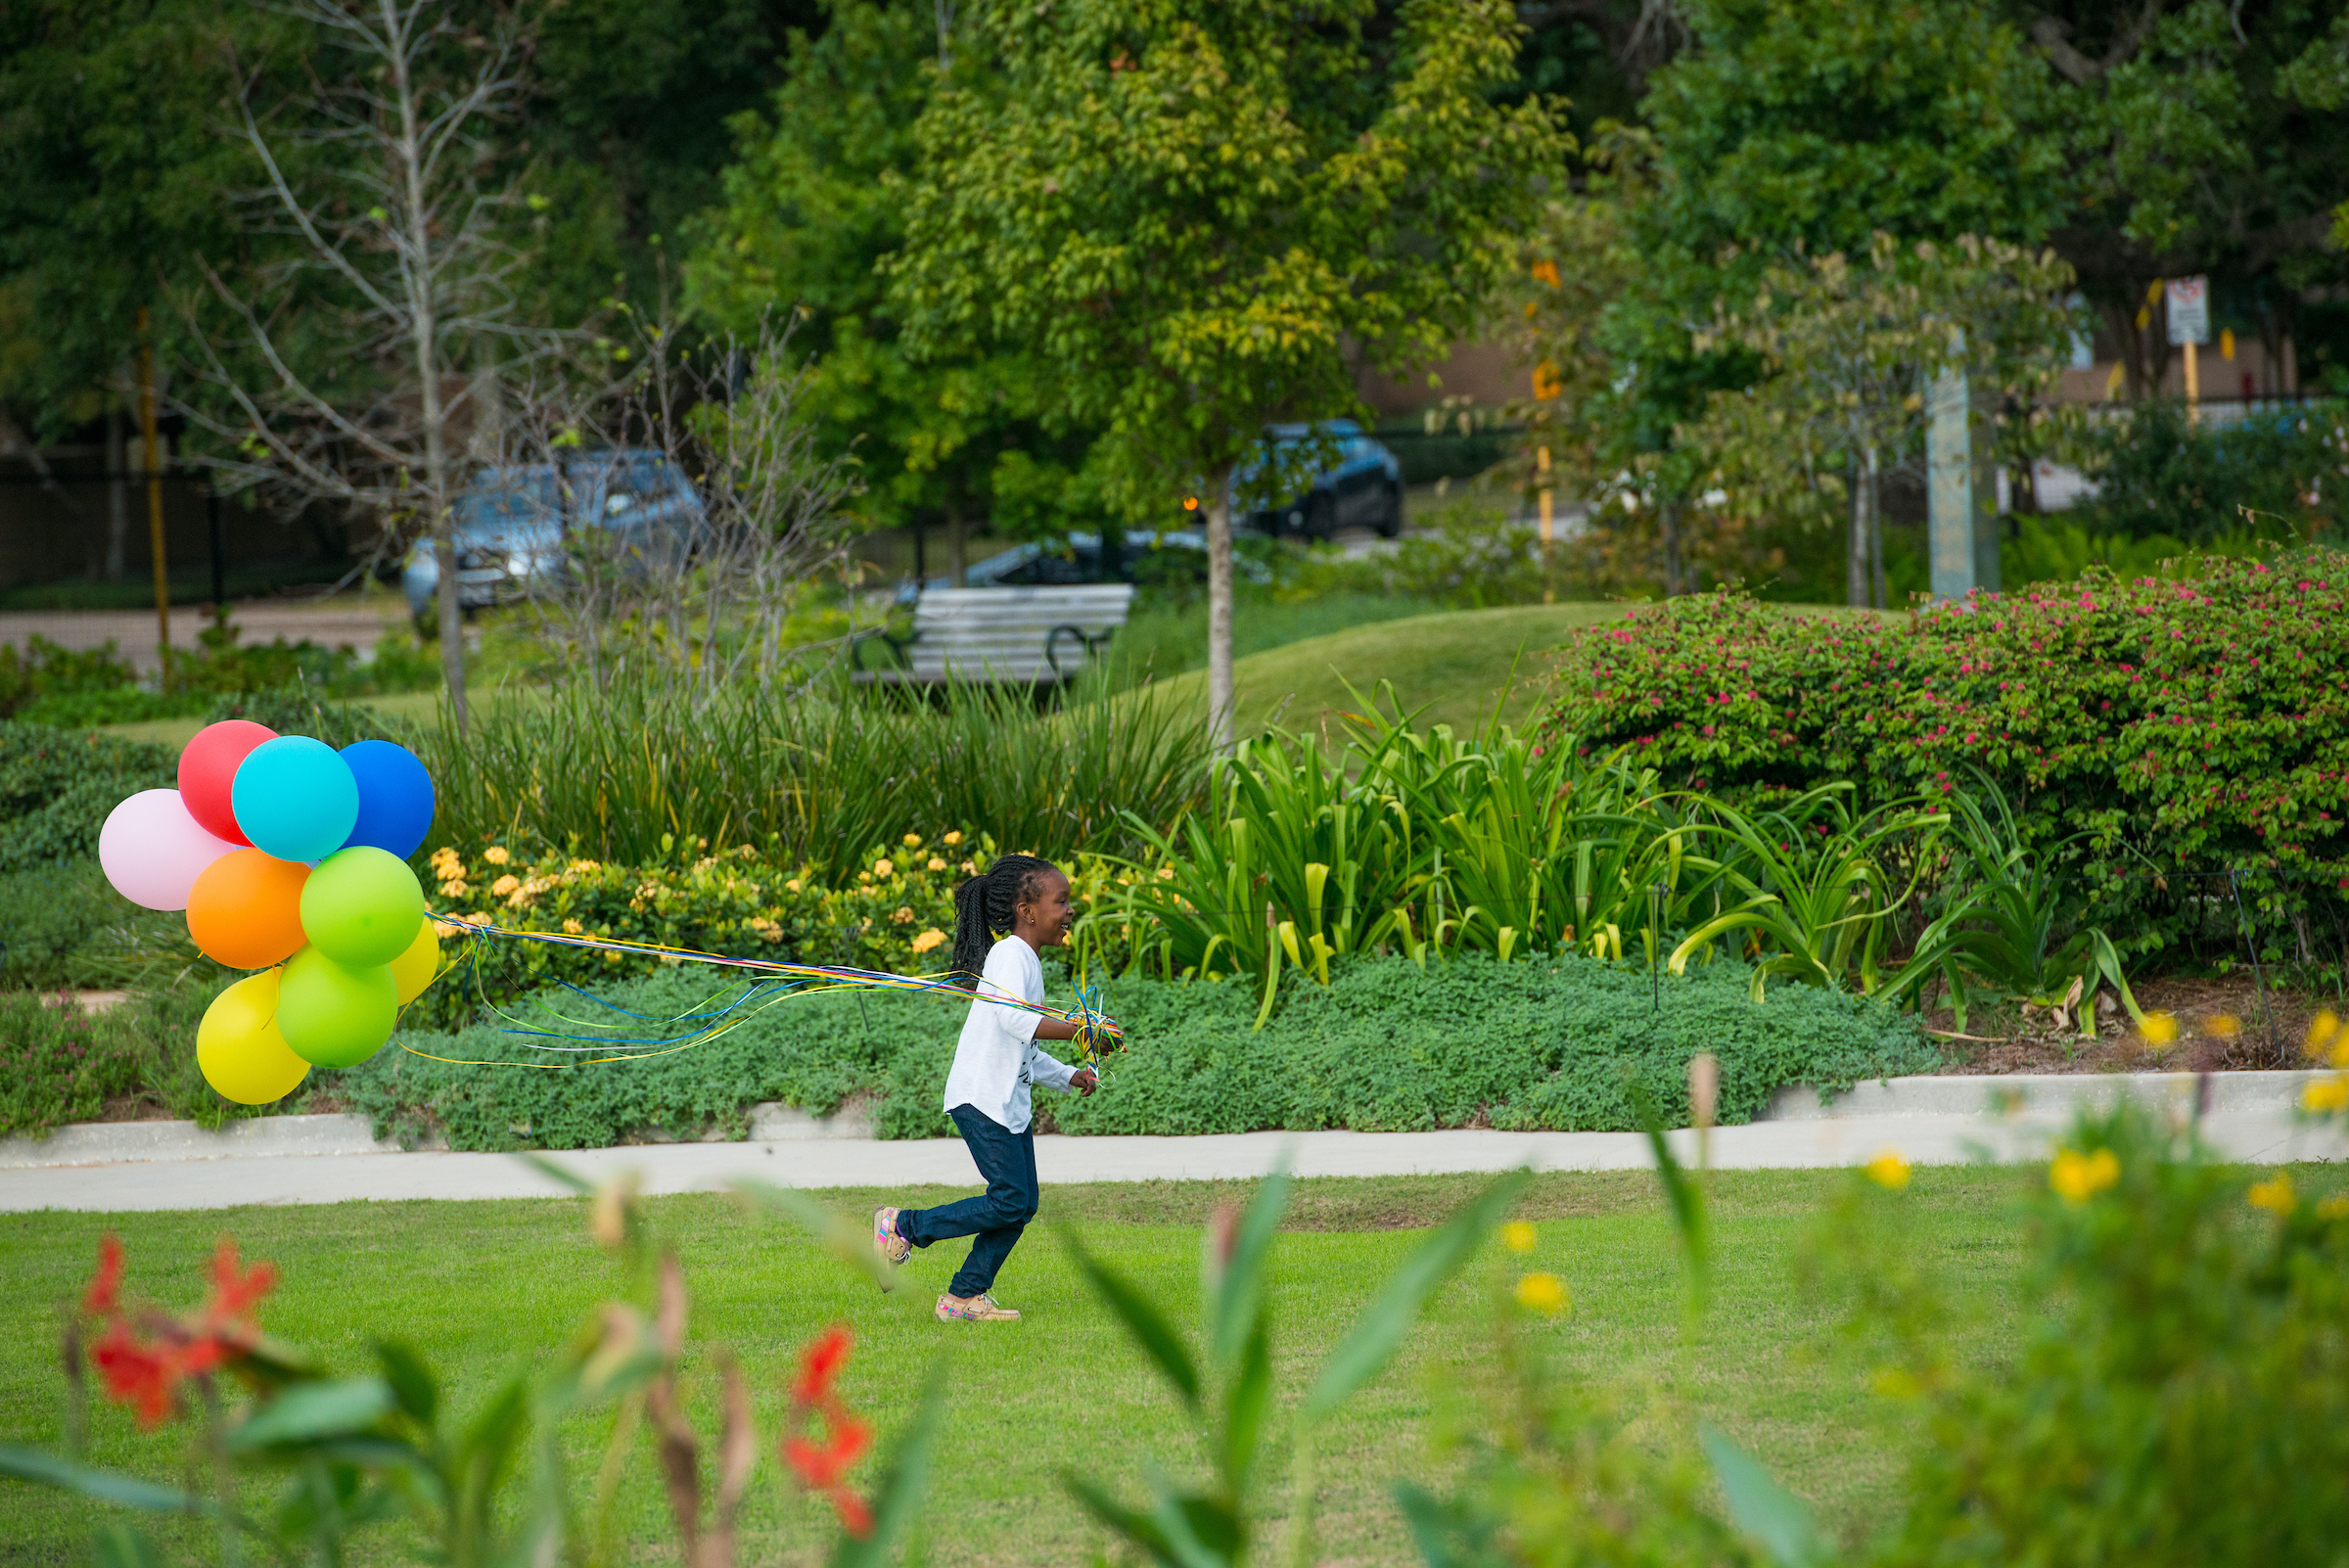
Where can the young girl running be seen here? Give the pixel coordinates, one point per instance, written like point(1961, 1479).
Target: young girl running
point(988, 1089)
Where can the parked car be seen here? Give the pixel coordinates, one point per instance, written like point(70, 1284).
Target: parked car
point(1363, 489)
point(510, 522)
point(1076, 558)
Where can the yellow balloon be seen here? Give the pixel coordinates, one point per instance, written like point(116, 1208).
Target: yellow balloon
point(412, 971)
point(239, 1049)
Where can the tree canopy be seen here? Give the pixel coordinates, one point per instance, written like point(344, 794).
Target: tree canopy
point(1200, 215)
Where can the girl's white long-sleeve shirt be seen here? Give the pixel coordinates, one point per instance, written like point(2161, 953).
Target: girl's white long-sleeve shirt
point(997, 1056)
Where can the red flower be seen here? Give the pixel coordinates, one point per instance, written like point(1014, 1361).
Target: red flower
point(825, 1466)
point(822, 1467)
point(235, 1296)
point(820, 1362)
point(107, 1282)
point(143, 1365)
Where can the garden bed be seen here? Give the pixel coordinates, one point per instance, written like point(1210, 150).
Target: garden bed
point(1564, 1044)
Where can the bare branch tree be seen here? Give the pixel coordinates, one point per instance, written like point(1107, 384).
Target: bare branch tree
point(704, 594)
point(387, 189)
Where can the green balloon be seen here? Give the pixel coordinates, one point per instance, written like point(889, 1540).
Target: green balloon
point(331, 1014)
point(361, 906)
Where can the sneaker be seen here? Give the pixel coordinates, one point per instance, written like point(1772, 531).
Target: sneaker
point(982, 1309)
point(893, 1248)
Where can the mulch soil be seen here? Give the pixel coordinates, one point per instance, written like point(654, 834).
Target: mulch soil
point(2230, 1022)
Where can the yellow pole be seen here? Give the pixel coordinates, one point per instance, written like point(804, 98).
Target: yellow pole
point(155, 499)
point(2193, 386)
point(1541, 461)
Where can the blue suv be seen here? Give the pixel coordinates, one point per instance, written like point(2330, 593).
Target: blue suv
point(1363, 489)
point(512, 523)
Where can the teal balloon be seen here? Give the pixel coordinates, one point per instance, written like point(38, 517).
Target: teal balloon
point(332, 1014)
point(295, 798)
point(361, 906)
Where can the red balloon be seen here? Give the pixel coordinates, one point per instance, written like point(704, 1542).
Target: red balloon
point(208, 766)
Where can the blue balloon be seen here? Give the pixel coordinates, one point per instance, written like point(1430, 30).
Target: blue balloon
point(395, 796)
point(295, 798)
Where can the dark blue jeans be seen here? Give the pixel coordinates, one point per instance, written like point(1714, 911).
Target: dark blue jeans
point(1007, 1161)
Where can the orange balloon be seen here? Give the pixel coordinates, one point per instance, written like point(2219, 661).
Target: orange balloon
point(246, 909)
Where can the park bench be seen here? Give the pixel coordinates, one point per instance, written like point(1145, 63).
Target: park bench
point(1004, 636)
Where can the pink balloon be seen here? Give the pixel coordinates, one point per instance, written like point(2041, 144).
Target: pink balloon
point(151, 850)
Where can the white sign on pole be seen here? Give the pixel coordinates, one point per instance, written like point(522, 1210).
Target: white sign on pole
point(2188, 300)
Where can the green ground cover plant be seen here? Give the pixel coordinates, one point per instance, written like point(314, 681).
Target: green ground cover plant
point(1387, 1045)
point(57, 786)
point(62, 927)
point(2153, 736)
point(60, 1064)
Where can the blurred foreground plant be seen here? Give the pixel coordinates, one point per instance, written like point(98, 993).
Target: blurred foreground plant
point(352, 1453)
point(1230, 1400)
point(2178, 1392)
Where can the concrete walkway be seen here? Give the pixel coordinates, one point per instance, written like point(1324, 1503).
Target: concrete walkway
point(330, 622)
point(1924, 1120)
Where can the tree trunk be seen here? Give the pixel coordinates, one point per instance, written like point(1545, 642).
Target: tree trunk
point(117, 492)
point(1855, 556)
point(1219, 610)
point(1869, 482)
point(420, 280)
point(1668, 523)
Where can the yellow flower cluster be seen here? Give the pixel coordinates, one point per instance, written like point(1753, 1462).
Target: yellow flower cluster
point(2273, 1194)
point(1543, 1293)
point(1888, 1170)
point(2326, 1095)
point(930, 941)
point(2078, 1178)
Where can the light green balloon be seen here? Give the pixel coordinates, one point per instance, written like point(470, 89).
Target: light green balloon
point(331, 1014)
point(361, 906)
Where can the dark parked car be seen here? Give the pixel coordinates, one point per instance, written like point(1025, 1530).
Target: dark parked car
point(511, 521)
point(1076, 558)
point(1363, 489)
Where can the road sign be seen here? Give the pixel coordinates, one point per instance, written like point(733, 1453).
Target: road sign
point(2189, 309)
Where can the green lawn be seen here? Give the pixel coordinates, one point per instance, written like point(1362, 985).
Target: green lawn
point(1453, 666)
point(482, 1288)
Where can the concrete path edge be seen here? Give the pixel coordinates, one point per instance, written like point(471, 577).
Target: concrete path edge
point(96, 1143)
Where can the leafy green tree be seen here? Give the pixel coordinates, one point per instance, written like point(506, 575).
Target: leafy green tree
point(1199, 214)
point(815, 207)
point(114, 178)
point(2202, 138)
point(1817, 123)
point(1849, 351)
point(1782, 129)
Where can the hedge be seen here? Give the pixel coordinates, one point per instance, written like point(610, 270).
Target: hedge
point(2156, 735)
point(1387, 1046)
point(57, 786)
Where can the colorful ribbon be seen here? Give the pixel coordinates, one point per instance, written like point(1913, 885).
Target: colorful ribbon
point(772, 981)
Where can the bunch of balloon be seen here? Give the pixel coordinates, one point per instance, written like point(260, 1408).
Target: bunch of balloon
point(290, 858)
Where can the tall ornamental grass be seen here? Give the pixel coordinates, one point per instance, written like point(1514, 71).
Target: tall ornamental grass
point(631, 770)
point(1434, 846)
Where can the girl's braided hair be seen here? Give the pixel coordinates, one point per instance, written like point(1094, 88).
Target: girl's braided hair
point(988, 905)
